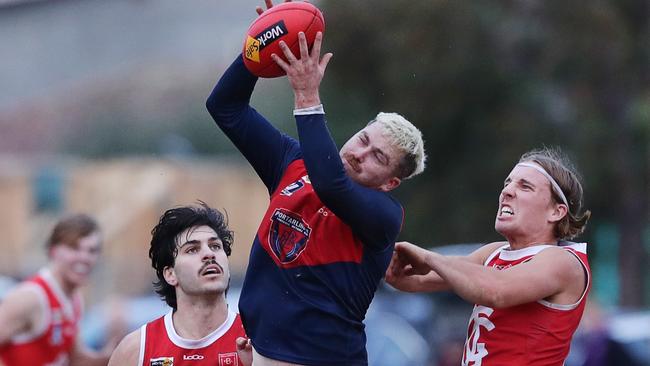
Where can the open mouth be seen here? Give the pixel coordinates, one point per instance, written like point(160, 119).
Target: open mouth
point(211, 269)
point(506, 210)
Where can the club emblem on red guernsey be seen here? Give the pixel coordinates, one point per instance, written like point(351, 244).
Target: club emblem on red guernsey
point(228, 359)
point(288, 235)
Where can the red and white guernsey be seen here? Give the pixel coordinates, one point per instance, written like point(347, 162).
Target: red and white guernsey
point(533, 334)
point(51, 343)
point(160, 345)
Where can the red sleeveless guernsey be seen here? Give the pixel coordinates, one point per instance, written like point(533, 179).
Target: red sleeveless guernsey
point(160, 345)
point(533, 334)
point(51, 344)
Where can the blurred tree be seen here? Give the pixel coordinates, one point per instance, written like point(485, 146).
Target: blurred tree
point(487, 81)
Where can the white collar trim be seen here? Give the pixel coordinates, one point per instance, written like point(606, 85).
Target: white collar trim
point(197, 343)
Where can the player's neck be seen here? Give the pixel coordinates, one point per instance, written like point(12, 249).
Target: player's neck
point(195, 318)
point(521, 244)
point(67, 288)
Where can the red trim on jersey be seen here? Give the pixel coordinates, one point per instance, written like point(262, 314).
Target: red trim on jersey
point(296, 217)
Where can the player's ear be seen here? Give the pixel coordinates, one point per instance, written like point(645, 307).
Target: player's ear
point(390, 184)
point(558, 212)
point(170, 276)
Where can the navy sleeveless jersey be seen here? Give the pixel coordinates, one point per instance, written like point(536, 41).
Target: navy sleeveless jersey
point(323, 245)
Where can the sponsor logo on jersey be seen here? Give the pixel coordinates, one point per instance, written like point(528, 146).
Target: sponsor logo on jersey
point(192, 357)
point(269, 35)
point(228, 359)
point(288, 235)
point(161, 361)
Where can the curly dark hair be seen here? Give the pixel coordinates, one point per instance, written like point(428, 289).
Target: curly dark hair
point(164, 248)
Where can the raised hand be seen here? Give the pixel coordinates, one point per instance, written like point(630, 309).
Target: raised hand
point(305, 73)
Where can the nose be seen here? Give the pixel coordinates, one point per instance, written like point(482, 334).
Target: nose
point(361, 153)
point(507, 191)
point(207, 254)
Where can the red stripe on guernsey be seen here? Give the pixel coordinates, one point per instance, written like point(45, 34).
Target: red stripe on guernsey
point(533, 334)
point(164, 347)
point(54, 345)
point(293, 228)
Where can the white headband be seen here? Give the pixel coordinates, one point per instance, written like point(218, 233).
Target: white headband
point(554, 185)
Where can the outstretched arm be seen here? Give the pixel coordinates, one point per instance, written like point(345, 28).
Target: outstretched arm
point(374, 216)
point(551, 272)
point(267, 149)
point(409, 271)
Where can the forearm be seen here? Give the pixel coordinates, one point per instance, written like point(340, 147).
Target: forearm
point(473, 282)
point(267, 149)
point(430, 282)
point(232, 92)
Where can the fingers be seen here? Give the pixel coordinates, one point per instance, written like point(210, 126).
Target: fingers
point(325, 60)
point(304, 49)
point(243, 343)
point(269, 5)
point(283, 65)
point(318, 41)
point(287, 52)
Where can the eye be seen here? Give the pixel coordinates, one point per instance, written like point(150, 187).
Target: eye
point(380, 158)
point(191, 250)
point(215, 246)
point(363, 139)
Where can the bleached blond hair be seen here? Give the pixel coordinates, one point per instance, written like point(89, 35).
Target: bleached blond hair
point(405, 136)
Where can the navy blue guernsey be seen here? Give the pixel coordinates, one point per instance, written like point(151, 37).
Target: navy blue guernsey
point(324, 243)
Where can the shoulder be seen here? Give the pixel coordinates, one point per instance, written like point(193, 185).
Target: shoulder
point(561, 261)
point(27, 297)
point(127, 351)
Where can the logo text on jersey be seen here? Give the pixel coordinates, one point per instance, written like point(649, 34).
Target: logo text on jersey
point(192, 357)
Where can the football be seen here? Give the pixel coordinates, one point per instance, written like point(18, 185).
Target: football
point(282, 22)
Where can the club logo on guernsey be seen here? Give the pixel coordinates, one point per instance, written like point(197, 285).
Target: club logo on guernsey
point(269, 35)
point(288, 235)
point(161, 361)
point(228, 359)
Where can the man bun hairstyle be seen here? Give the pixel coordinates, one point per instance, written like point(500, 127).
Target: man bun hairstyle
point(558, 166)
point(164, 246)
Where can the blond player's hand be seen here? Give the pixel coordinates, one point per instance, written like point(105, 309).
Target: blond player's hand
point(269, 5)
